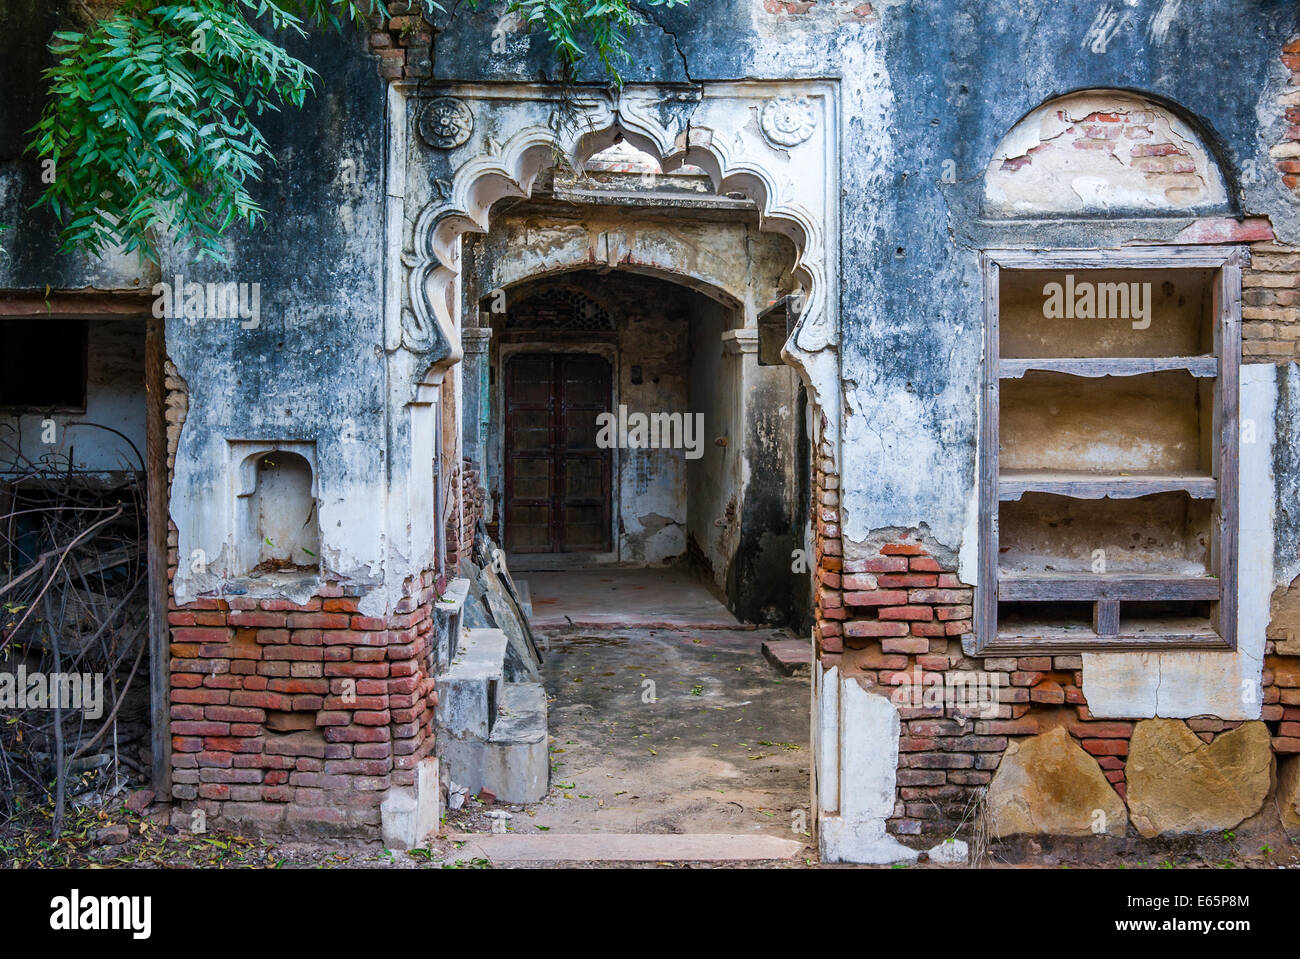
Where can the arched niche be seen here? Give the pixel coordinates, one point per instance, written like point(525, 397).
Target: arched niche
point(1103, 153)
point(277, 519)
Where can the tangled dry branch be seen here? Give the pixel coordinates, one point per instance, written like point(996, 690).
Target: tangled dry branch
point(73, 603)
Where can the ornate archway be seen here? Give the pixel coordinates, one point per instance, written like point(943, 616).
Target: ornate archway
point(467, 146)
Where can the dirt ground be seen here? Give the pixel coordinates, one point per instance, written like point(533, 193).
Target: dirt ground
point(672, 732)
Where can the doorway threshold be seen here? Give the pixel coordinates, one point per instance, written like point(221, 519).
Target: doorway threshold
point(627, 847)
point(664, 598)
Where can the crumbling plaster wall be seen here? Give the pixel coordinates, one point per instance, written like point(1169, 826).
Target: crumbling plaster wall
point(928, 90)
point(713, 504)
point(314, 367)
point(922, 84)
point(318, 370)
point(728, 259)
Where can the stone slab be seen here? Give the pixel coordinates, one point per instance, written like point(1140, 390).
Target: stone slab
point(1178, 784)
point(793, 657)
point(635, 847)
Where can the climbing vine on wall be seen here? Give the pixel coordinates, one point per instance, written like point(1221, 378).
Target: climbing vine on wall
point(150, 127)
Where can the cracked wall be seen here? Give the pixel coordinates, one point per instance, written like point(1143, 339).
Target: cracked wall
point(927, 91)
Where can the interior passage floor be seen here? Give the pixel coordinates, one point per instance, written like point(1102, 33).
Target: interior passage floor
point(667, 598)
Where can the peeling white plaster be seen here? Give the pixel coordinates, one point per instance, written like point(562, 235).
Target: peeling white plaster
point(968, 557)
point(1042, 152)
point(868, 727)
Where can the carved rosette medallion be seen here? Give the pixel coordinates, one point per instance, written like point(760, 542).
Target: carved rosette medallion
point(788, 121)
point(446, 123)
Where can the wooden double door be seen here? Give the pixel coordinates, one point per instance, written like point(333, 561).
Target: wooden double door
point(557, 480)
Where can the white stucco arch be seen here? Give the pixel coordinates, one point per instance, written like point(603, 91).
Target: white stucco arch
point(740, 134)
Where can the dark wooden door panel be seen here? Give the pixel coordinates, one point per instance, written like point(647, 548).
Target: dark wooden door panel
point(557, 479)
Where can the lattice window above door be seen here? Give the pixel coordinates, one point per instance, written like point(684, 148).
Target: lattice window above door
point(559, 308)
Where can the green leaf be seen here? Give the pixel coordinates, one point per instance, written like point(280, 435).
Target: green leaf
point(151, 138)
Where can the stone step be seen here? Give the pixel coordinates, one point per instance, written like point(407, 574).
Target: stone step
point(521, 714)
point(793, 657)
point(468, 688)
point(626, 847)
point(448, 621)
point(513, 762)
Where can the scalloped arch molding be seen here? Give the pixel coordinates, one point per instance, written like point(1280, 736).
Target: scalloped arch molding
point(775, 142)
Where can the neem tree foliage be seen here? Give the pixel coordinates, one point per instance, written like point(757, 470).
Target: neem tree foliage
point(151, 120)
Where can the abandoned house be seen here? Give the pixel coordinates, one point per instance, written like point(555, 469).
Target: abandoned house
point(956, 339)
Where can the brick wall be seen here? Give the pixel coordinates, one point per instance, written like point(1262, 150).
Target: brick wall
point(402, 43)
point(1286, 155)
point(461, 522)
point(1271, 334)
point(898, 619)
point(299, 714)
point(828, 557)
point(1270, 304)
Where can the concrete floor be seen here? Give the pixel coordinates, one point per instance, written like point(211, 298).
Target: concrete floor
point(668, 597)
point(723, 749)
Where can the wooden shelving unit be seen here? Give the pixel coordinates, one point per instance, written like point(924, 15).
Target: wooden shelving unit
point(1109, 454)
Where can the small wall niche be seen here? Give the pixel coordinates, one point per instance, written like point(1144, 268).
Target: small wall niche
point(277, 521)
point(1158, 423)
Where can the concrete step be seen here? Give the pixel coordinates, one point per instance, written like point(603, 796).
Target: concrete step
point(469, 687)
point(634, 847)
point(512, 762)
point(448, 621)
point(793, 657)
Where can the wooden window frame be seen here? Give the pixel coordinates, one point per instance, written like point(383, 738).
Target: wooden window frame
point(1227, 261)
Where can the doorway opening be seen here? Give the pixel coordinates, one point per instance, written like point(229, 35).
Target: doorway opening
point(83, 548)
point(641, 466)
point(632, 426)
point(557, 476)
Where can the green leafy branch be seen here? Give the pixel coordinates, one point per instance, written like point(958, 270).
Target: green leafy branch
point(151, 126)
point(150, 122)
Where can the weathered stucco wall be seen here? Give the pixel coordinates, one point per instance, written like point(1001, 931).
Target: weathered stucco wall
point(922, 95)
point(713, 507)
point(928, 93)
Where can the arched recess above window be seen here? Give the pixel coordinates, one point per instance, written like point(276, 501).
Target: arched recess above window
point(1103, 153)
